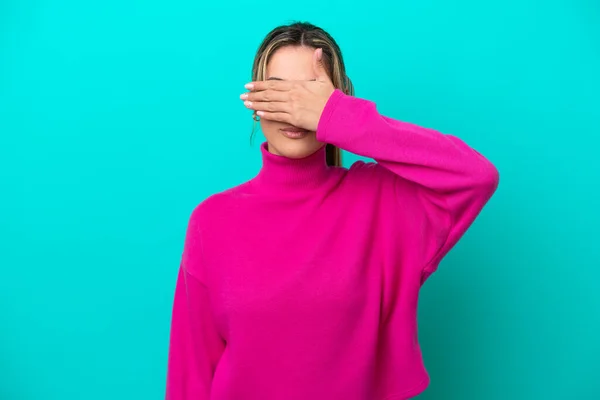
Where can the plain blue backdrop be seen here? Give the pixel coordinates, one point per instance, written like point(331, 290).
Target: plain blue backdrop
point(118, 117)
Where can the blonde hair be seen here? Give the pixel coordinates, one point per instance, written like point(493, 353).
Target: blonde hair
point(305, 34)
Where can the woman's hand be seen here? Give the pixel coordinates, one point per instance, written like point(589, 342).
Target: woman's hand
point(298, 103)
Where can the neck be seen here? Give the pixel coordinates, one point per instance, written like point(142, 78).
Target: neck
point(290, 174)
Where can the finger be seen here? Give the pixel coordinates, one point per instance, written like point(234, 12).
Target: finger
point(278, 85)
point(318, 66)
point(266, 95)
point(275, 116)
point(270, 106)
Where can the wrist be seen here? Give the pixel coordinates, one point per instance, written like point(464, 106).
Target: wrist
point(330, 106)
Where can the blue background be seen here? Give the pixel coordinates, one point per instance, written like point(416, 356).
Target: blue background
point(117, 118)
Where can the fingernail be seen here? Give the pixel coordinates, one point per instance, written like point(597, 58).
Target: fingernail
point(249, 86)
point(260, 113)
point(248, 103)
point(244, 96)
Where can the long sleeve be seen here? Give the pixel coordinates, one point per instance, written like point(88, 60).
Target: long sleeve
point(195, 345)
point(452, 181)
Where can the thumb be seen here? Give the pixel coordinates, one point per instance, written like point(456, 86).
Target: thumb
point(318, 66)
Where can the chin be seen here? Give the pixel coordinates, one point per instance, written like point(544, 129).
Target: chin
point(295, 148)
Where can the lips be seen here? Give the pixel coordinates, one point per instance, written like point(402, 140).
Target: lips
point(294, 133)
point(293, 129)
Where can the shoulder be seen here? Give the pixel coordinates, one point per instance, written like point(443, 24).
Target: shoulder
point(369, 170)
point(371, 174)
point(210, 216)
point(218, 205)
point(374, 180)
point(363, 172)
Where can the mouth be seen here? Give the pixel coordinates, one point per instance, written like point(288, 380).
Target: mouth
point(294, 133)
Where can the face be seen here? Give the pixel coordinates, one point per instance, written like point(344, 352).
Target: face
point(290, 63)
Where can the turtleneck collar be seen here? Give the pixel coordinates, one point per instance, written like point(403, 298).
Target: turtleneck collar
point(289, 174)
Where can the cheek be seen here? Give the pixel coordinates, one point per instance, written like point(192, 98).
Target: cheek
point(269, 128)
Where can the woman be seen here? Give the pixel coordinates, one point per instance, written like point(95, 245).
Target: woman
point(302, 283)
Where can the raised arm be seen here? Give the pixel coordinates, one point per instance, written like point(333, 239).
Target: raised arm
point(452, 180)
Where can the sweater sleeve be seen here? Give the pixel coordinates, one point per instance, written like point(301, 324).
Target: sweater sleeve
point(451, 180)
point(195, 345)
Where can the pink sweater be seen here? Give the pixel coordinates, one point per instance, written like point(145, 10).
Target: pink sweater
point(302, 284)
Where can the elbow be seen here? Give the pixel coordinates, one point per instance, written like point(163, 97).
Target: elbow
point(486, 179)
point(491, 178)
